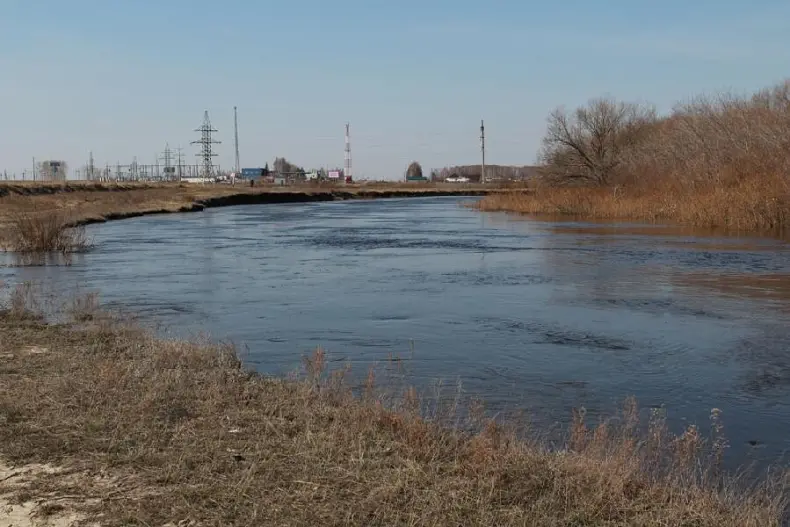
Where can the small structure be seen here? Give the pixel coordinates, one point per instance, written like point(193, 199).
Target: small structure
point(457, 179)
point(253, 173)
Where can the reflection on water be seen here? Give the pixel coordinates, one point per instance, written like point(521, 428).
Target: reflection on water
point(767, 286)
point(12, 259)
point(529, 314)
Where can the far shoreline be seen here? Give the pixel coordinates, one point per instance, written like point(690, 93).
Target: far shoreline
point(98, 202)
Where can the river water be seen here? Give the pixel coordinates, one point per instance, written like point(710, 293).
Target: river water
point(530, 314)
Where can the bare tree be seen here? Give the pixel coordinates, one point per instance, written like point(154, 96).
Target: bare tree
point(588, 145)
point(282, 166)
point(414, 170)
point(776, 98)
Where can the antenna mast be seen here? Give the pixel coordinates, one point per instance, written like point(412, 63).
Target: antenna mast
point(347, 155)
point(205, 142)
point(236, 139)
point(483, 151)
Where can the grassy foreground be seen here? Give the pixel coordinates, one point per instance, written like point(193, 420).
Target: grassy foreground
point(128, 429)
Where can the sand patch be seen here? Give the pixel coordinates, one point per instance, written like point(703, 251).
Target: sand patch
point(21, 510)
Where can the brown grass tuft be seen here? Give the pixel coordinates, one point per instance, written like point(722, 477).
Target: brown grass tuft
point(45, 232)
point(185, 434)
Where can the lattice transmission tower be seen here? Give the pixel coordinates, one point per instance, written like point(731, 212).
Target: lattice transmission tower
point(205, 142)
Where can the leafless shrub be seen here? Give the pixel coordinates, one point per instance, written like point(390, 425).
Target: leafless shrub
point(21, 301)
point(84, 307)
point(44, 232)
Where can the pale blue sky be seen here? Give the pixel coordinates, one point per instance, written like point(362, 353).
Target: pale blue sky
point(122, 78)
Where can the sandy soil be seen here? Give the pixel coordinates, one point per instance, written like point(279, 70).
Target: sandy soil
point(19, 508)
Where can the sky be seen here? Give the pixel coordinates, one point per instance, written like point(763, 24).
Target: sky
point(123, 78)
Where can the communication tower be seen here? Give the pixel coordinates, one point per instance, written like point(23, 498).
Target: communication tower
point(347, 167)
point(237, 168)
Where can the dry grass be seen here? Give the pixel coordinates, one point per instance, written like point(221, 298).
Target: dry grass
point(171, 431)
point(44, 232)
point(753, 204)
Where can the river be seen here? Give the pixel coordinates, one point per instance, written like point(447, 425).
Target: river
point(539, 315)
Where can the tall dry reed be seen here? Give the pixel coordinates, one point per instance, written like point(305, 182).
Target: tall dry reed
point(750, 204)
point(44, 232)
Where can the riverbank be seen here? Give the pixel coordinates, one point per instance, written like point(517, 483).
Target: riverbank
point(86, 202)
point(103, 421)
point(755, 205)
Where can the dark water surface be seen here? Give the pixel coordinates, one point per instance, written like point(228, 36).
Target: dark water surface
point(533, 314)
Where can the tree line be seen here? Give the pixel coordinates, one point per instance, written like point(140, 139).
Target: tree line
point(718, 139)
point(473, 172)
point(493, 172)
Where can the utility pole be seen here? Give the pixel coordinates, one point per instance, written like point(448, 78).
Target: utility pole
point(34, 169)
point(237, 169)
point(90, 167)
point(167, 157)
point(483, 152)
point(180, 162)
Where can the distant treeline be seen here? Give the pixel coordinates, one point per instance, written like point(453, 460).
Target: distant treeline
point(722, 141)
point(714, 160)
point(493, 172)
